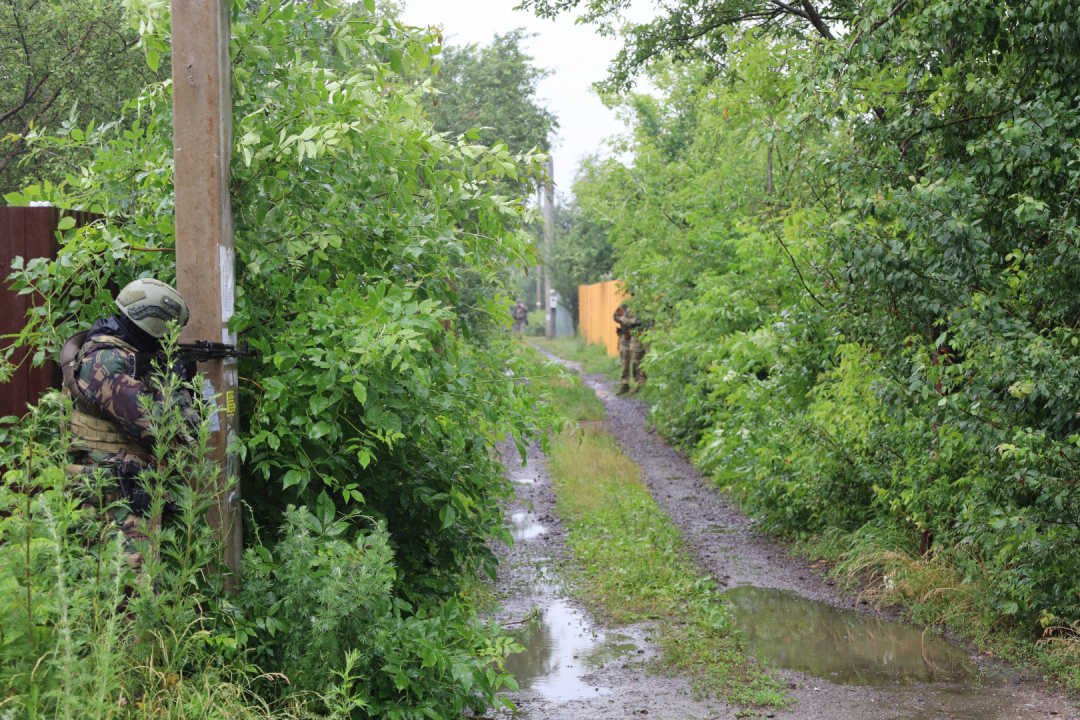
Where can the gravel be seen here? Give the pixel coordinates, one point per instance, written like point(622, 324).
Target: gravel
point(723, 543)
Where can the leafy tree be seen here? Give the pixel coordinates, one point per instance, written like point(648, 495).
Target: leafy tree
point(701, 30)
point(860, 254)
point(59, 60)
point(355, 225)
point(489, 94)
point(581, 254)
point(493, 89)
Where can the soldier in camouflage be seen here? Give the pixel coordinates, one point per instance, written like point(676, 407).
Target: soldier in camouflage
point(520, 314)
point(631, 351)
point(115, 402)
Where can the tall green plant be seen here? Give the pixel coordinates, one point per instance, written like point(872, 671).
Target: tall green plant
point(84, 632)
point(355, 224)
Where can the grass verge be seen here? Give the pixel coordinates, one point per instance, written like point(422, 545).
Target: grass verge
point(635, 568)
point(593, 358)
point(574, 401)
point(947, 587)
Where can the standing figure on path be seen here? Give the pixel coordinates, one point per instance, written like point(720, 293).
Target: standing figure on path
point(115, 401)
point(520, 313)
point(631, 351)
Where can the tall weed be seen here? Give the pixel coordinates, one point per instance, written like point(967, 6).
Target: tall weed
point(83, 633)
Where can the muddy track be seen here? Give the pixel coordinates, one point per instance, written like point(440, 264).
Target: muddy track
point(720, 539)
point(573, 668)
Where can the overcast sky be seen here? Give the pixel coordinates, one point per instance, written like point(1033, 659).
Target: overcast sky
point(576, 53)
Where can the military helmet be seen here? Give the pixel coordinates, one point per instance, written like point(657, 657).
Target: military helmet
point(150, 304)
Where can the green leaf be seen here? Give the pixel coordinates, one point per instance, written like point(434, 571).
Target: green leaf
point(396, 61)
point(320, 429)
point(325, 509)
point(152, 58)
point(293, 477)
point(360, 392)
point(66, 223)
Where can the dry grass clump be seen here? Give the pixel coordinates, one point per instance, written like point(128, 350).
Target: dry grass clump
point(888, 576)
point(1061, 638)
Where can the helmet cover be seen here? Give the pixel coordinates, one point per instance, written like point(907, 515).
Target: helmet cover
point(151, 304)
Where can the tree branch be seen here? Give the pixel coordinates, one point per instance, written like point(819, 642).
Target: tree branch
point(816, 21)
point(797, 272)
point(22, 141)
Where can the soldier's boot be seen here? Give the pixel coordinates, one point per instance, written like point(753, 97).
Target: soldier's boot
point(623, 389)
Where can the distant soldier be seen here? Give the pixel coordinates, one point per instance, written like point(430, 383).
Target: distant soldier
point(631, 351)
point(107, 375)
point(520, 313)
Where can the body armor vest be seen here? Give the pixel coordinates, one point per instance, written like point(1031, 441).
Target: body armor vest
point(90, 430)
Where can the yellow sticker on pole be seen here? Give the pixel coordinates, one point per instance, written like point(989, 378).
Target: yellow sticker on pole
point(230, 402)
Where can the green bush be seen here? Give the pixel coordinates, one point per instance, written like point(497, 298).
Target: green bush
point(319, 608)
point(859, 257)
point(365, 245)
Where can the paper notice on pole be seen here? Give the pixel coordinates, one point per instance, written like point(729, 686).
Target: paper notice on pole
point(209, 395)
point(227, 272)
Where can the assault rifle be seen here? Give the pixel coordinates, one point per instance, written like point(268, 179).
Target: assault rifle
point(183, 360)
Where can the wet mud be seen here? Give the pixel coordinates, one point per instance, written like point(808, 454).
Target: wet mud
point(841, 658)
point(572, 667)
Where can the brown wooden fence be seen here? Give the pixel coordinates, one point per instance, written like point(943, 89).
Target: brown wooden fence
point(596, 306)
point(26, 232)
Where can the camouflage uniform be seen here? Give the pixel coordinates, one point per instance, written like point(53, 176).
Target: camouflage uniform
point(110, 427)
point(631, 351)
point(520, 313)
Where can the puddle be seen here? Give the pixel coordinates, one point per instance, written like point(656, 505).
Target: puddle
point(559, 648)
point(525, 526)
point(721, 529)
point(789, 631)
point(521, 475)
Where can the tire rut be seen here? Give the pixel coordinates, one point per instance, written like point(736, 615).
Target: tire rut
point(723, 543)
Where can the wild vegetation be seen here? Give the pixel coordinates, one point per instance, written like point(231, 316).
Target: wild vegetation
point(60, 60)
point(855, 231)
point(368, 420)
point(852, 227)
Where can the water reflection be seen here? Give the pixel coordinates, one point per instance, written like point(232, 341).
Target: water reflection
point(560, 648)
point(789, 631)
point(525, 526)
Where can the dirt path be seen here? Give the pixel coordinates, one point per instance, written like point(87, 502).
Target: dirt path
point(573, 668)
point(720, 540)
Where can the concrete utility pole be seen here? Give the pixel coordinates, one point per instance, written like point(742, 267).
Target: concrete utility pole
point(202, 152)
point(539, 268)
point(549, 243)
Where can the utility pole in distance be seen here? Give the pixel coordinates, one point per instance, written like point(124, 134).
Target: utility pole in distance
point(205, 277)
point(549, 244)
point(540, 268)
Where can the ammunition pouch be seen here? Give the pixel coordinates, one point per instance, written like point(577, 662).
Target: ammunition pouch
point(90, 433)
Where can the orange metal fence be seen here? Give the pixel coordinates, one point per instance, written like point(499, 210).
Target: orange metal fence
point(596, 306)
